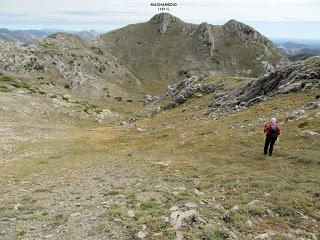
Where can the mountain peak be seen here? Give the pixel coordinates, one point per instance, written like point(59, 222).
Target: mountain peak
point(61, 36)
point(163, 21)
point(246, 32)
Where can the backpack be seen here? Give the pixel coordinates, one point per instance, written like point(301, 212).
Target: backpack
point(273, 131)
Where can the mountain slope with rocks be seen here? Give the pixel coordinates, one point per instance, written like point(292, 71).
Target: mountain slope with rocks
point(295, 51)
point(25, 37)
point(296, 77)
point(166, 50)
point(181, 173)
point(83, 156)
point(68, 64)
point(231, 94)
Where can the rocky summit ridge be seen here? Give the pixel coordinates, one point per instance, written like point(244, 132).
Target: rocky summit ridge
point(163, 21)
point(142, 58)
point(167, 49)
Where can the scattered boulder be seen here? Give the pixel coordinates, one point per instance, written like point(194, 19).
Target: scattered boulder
point(253, 202)
point(16, 206)
point(197, 192)
point(73, 215)
point(249, 223)
point(152, 113)
point(227, 216)
point(308, 133)
point(104, 115)
point(174, 208)
point(265, 235)
point(140, 130)
point(131, 214)
point(148, 99)
point(119, 99)
point(165, 164)
point(177, 218)
point(143, 233)
point(191, 205)
point(296, 114)
point(165, 219)
point(312, 105)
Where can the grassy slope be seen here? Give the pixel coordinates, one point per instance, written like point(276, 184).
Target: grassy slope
point(162, 55)
point(117, 165)
point(148, 53)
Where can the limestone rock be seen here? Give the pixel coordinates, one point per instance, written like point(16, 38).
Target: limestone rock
point(174, 208)
point(291, 78)
point(205, 38)
point(131, 214)
point(104, 115)
point(141, 130)
point(187, 88)
point(177, 218)
point(226, 217)
point(264, 236)
point(163, 21)
point(191, 205)
point(308, 134)
point(246, 32)
point(197, 192)
point(143, 233)
point(312, 106)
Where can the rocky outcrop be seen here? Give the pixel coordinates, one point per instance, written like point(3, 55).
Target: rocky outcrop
point(187, 88)
point(163, 21)
point(148, 99)
point(246, 32)
point(205, 38)
point(68, 61)
point(295, 77)
point(292, 78)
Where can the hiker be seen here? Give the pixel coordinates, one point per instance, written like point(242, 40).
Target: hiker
point(272, 131)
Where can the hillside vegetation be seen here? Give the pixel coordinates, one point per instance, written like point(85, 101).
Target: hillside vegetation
point(85, 154)
point(166, 50)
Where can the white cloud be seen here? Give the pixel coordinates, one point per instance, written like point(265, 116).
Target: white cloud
point(213, 10)
point(108, 14)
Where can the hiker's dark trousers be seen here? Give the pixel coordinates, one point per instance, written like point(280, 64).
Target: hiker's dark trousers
point(269, 144)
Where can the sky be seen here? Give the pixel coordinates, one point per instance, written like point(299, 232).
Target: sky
point(290, 19)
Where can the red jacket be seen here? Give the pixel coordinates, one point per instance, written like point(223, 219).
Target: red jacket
point(267, 128)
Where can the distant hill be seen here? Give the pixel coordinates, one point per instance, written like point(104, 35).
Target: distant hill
point(87, 34)
point(24, 37)
point(297, 51)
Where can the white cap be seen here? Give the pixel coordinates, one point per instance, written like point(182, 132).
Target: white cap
point(273, 120)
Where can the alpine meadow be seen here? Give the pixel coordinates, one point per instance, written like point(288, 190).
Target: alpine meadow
point(156, 131)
